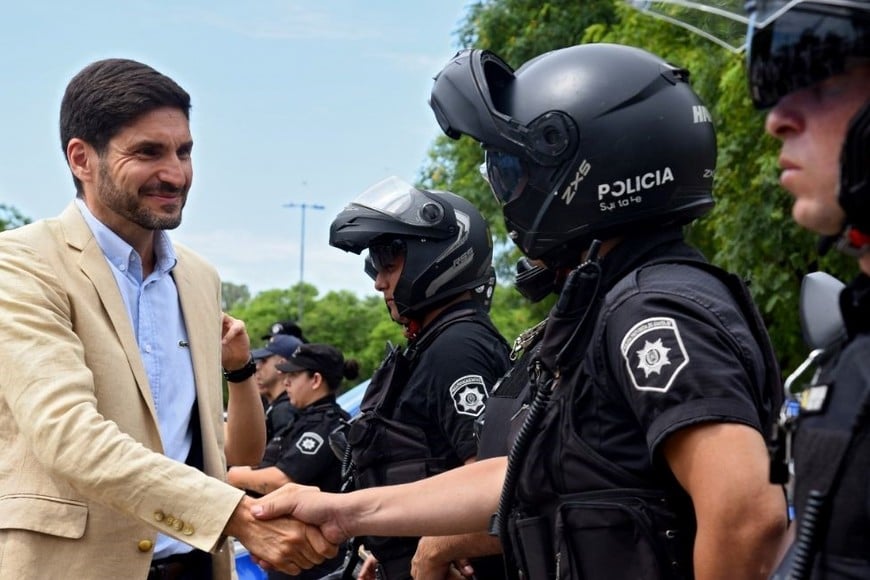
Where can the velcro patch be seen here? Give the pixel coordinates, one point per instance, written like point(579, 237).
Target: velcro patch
point(309, 443)
point(469, 395)
point(654, 353)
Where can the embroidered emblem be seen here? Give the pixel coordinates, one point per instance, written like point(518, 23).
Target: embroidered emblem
point(309, 443)
point(654, 353)
point(469, 395)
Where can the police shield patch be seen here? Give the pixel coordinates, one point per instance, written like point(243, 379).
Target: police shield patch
point(469, 395)
point(309, 443)
point(654, 353)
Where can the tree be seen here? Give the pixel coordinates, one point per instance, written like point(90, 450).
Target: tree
point(11, 218)
point(233, 295)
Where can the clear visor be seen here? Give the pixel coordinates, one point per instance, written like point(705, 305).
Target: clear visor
point(790, 44)
point(730, 23)
point(506, 174)
point(401, 201)
point(721, 21)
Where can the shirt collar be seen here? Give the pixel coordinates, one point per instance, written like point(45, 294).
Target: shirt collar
point(120, 253)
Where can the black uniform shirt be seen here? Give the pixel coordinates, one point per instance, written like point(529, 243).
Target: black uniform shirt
point(301, 450)
point(672, 343)
point(449, 385)
point(279, 414)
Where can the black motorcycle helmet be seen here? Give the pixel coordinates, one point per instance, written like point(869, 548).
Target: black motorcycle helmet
point(446, 242)
point(591, 141)
point(796, 44)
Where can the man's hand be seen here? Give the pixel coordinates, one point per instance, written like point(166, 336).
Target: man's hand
point(284, 544)
point(235, 344)
point(307, 504)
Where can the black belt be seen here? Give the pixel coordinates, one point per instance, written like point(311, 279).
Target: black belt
point(194, 565)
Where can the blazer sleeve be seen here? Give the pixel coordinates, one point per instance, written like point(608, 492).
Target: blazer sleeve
point(87, 427)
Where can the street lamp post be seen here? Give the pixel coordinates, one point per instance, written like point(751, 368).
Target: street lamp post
point(303, 207)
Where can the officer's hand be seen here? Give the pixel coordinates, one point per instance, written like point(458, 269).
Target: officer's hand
point(307, 504)
point(431, 562)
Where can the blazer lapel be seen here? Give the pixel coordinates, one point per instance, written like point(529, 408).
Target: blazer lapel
point(93, 264)
point(200, 322)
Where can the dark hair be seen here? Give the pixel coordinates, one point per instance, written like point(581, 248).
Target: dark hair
point(349, 371)
point(321, 358)
point(109, 94)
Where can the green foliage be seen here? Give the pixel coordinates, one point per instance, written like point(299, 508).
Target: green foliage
point(359, 327)
point(233, 295)
point(512, 314)
point(11, 218)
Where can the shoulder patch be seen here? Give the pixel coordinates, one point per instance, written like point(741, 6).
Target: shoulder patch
point(469, 395)
point(654, 353)
point(309, 443)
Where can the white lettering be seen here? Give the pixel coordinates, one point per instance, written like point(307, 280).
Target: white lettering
point(635, 184)
point(647, 181)
point(574, 185)
point(700, 114)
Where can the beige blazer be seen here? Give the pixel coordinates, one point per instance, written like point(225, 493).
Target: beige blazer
point(84, 487)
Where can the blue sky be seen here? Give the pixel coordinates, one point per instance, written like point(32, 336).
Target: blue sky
point(293, 101)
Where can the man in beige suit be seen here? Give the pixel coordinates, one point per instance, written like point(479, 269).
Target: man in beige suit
point(110, 353)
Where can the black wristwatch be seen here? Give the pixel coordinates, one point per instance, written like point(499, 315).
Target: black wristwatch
point(243, 374)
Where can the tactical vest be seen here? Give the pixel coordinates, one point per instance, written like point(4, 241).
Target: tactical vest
point(832, 475)
point(323, 414)
point(628, 527)
point(385, 451)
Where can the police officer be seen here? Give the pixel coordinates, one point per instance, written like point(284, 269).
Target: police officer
point(430, 253)
point(642, 454)
point(809, 62)
point(277, 407)
point(300, 452)
point(288, 327)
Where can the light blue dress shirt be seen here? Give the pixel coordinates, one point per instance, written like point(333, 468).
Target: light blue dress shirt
point(158, 323)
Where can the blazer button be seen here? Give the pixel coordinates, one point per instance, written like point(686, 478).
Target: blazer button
point(145, 545)
point(178, 525)
point(158, 516)
point(187, 530)
point(170, 520)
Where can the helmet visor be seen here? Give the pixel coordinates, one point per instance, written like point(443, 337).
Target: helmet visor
point(506, 174)
point(794, 45)
point(402, 202)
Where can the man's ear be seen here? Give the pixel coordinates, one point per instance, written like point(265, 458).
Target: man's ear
point(82, 160)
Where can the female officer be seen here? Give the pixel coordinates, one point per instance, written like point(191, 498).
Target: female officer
point(300, 452)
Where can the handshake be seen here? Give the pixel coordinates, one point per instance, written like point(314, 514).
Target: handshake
point(292, 529)
point(297, 527)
